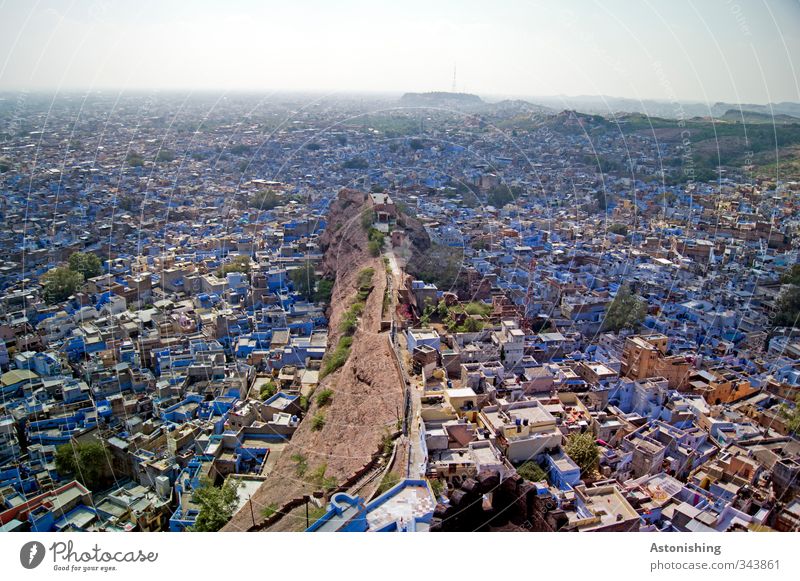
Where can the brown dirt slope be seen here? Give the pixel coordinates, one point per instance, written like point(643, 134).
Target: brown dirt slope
point(367, 390)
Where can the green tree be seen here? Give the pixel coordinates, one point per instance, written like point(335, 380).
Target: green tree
point(437, 486)
point(267, 390)
point(532, 472)
point(471, 325)
point(427, 312)
point(792, 416)
point(304, 280)
point(618, 228)
point(788, 308)
point(501, 195)
point(165, 155)
point(478, 308)
point(60, 283)
point(85, 461)
point(792, 276)
point(134, 159)
point(86, 263)
point(240, 149)
point(324, 291)
point(356, 163)
point(425, 319)
point(450, 321)
point(442, 266)
point(583, 450)
point(236, 264)
point(375, 244)
point(367, 218)
point(627, 311)
point(600, 198)
point(267, 200)
point(217, 504)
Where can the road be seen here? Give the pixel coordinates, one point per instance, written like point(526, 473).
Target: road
point(417, 461)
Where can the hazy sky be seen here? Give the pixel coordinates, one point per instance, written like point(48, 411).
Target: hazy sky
point(699, 50)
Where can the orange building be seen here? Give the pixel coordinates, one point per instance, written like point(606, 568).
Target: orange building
point(720, 385)
point(646, 356)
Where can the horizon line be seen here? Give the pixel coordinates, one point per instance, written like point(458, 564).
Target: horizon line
point(375, 92)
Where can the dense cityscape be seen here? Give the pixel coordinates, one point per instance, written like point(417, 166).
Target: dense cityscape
point(427, 312)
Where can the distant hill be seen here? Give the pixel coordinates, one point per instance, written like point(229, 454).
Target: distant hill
point(783, 108)
point(723, 141)
point(605, 105)
point(576, 123)
point(736, 116)
point(518, 106)
point(440, 99)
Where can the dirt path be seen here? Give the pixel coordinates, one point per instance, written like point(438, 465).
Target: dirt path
point(367, 390)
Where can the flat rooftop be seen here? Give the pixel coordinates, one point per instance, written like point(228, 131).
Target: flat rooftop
point(408, 503)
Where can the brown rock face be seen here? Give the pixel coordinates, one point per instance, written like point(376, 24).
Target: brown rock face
point(367, 390)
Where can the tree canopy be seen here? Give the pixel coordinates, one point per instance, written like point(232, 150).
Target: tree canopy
point(627, 311)
point(304, 280)
point(86, 462)
point(217, 504)
point(268, 390)
point(792, 416)
point(617, 228)
point(355, 163)
point(367, 218)
point(60, 283)
point(600, 198)
point(268, 200)
point(86, 263)
point(532, 472)
point(165, 155)
point(792, 276)
point(788, 308)
point(501, 195)
point(442, 266)
point(324, 290)
point(583, 450)
point(376, 240)
point(237, 264)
